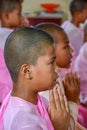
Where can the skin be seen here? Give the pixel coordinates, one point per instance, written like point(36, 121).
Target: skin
point(21, 1)
point(30, 82)
point(71, 85)
point(79, 17)
point(31, 77)
point(58, 109)
point(79, 127)
point(16, 14)
point(45, 67)
point(12, 19)
point(63, 59)
point(63, 50)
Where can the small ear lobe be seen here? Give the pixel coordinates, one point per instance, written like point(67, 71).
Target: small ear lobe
point(26, 71)
point(5, 14)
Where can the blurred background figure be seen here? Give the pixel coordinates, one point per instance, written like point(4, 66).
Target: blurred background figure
point(81, 69)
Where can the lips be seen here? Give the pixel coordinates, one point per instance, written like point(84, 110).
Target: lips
point(70, 59)
point(55, 81)
point(71, 56)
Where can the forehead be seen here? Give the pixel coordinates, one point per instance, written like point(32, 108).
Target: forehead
point(61, 36)
point(48, 56)
point(49, 50)
point(85, 8)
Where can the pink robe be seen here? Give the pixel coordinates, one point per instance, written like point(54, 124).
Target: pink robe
point(5, 79)
point(19, 114)
point(80, 68)
point(3, 108)
point(4, 32)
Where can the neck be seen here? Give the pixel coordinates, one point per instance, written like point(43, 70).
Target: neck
point(21, 91)
point(6, 25)
point(3, 24)
point(75, 22)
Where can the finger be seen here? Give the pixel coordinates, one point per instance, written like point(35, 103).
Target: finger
point(61, 99)
point(49, 109)
point(51, 100)
point(72, 78)
point(67, 80)
point(57, 98)
point(76, 80)
point(66, 104)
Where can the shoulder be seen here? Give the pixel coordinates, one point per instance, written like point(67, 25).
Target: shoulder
point(20, 114)
point(69, 27)
point(65, 23)
point(24, 120)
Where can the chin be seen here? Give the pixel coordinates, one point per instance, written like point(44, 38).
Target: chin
point(68, 67)
point(51, 87)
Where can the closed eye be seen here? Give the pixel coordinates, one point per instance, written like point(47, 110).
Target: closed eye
point(52, 61)
point(67, 46)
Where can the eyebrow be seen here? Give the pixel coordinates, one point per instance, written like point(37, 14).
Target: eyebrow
point(53, 58)
point(67, 42)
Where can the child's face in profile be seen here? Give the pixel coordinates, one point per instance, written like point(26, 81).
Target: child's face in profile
point(15, 16)
point(44, 70)
point(63, 50)
point(83, 15)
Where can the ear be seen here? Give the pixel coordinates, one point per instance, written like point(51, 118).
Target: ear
point(26, 70)
point(5, 15)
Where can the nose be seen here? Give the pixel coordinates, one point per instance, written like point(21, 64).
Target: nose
point(71, 50)
point(56, 75)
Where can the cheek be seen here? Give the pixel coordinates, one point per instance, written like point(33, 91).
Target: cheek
point(84, 17)
point(59, 55)
point(48, 73)
point(18, 19)
point(67, 56)
point(62, 59)
point(45, 78)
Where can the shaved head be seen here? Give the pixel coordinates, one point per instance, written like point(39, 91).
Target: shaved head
point(24, 46)
point(8, 5)
point(77, 5)
point(51, 28)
